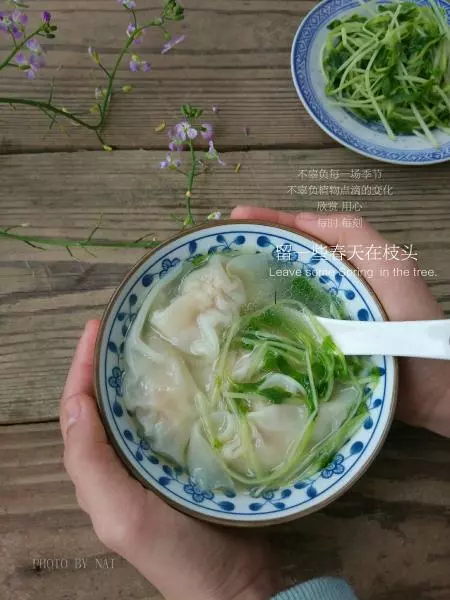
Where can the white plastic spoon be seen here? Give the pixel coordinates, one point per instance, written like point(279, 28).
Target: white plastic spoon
point(420, 339)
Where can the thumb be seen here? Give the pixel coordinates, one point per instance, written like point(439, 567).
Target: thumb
point(114, 500)
point(105, 490)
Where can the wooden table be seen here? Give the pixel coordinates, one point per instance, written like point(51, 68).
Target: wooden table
point(389, 535)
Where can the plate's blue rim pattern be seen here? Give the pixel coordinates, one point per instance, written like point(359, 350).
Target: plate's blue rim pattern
point(271, 502)
point(314, 21)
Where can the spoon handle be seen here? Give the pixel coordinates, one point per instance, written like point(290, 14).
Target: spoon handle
point(420, 339)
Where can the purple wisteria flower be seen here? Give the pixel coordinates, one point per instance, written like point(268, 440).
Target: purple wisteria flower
point(3, 22)
point(129, 4)
point(13, 23)
point(19, 18)
point(173, 42)
point(207, 131)
point(175, 143)
point(30, 65)
point(34, 47)
point(184, 131)
point(46, 17)
point(139, 64)
point(212, 154)
point(131, 29)
point(170, 162)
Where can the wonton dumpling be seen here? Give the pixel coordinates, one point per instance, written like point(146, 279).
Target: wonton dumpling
point(254, 270)
point(274, 430)
point(229, 436)
point(283, 382)
point(201, 370)
point(208, 300)
point(205, 466)
point(332, 414)
point(163, 394)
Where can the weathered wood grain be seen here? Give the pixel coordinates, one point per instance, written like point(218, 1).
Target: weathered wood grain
point(388, 535)
point(49, 526)
point(237, 55)
point(45, 297)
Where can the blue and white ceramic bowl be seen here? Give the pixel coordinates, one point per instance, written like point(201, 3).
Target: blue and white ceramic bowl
point(345, 128)
point(172, 483)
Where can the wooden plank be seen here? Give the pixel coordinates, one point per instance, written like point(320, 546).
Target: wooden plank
point(401, 505)
point(48, 547)
point(237, 55)
point(45, 297)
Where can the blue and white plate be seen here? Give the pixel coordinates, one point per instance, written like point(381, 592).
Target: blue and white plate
point(364, 138)
point(173, 483)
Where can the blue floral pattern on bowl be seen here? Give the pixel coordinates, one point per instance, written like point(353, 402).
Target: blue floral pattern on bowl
point(173, 482)
point(344, 127)
point(336, 467)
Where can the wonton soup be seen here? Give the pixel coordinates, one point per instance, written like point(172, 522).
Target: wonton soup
point(230, 376)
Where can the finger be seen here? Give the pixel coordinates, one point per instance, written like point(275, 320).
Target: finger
point(401, 290)
point(112, 498)
point(104, 489)
point(263, 214)
point(309, 222)
point(79, 379)
point(90, 461)
point(404, 294)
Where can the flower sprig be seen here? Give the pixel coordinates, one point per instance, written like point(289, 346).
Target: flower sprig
point(27, 55)
point(187, 140)
point(183, 138)
point(41, 242)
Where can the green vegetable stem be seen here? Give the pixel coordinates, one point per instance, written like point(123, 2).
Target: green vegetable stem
point(392, 68)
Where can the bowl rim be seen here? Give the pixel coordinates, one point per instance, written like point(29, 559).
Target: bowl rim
point(228, 521)
point(322, 125)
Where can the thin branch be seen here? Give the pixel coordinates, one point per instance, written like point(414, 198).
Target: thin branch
point(191, 177)
point(37, 241)
point(86, 249)
point(33, 245)
point(13, 39)
point(104, 69)
point(96, 228)
point(143, 237)
point(71, 254)
point(18, 47)
point(48, 106)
